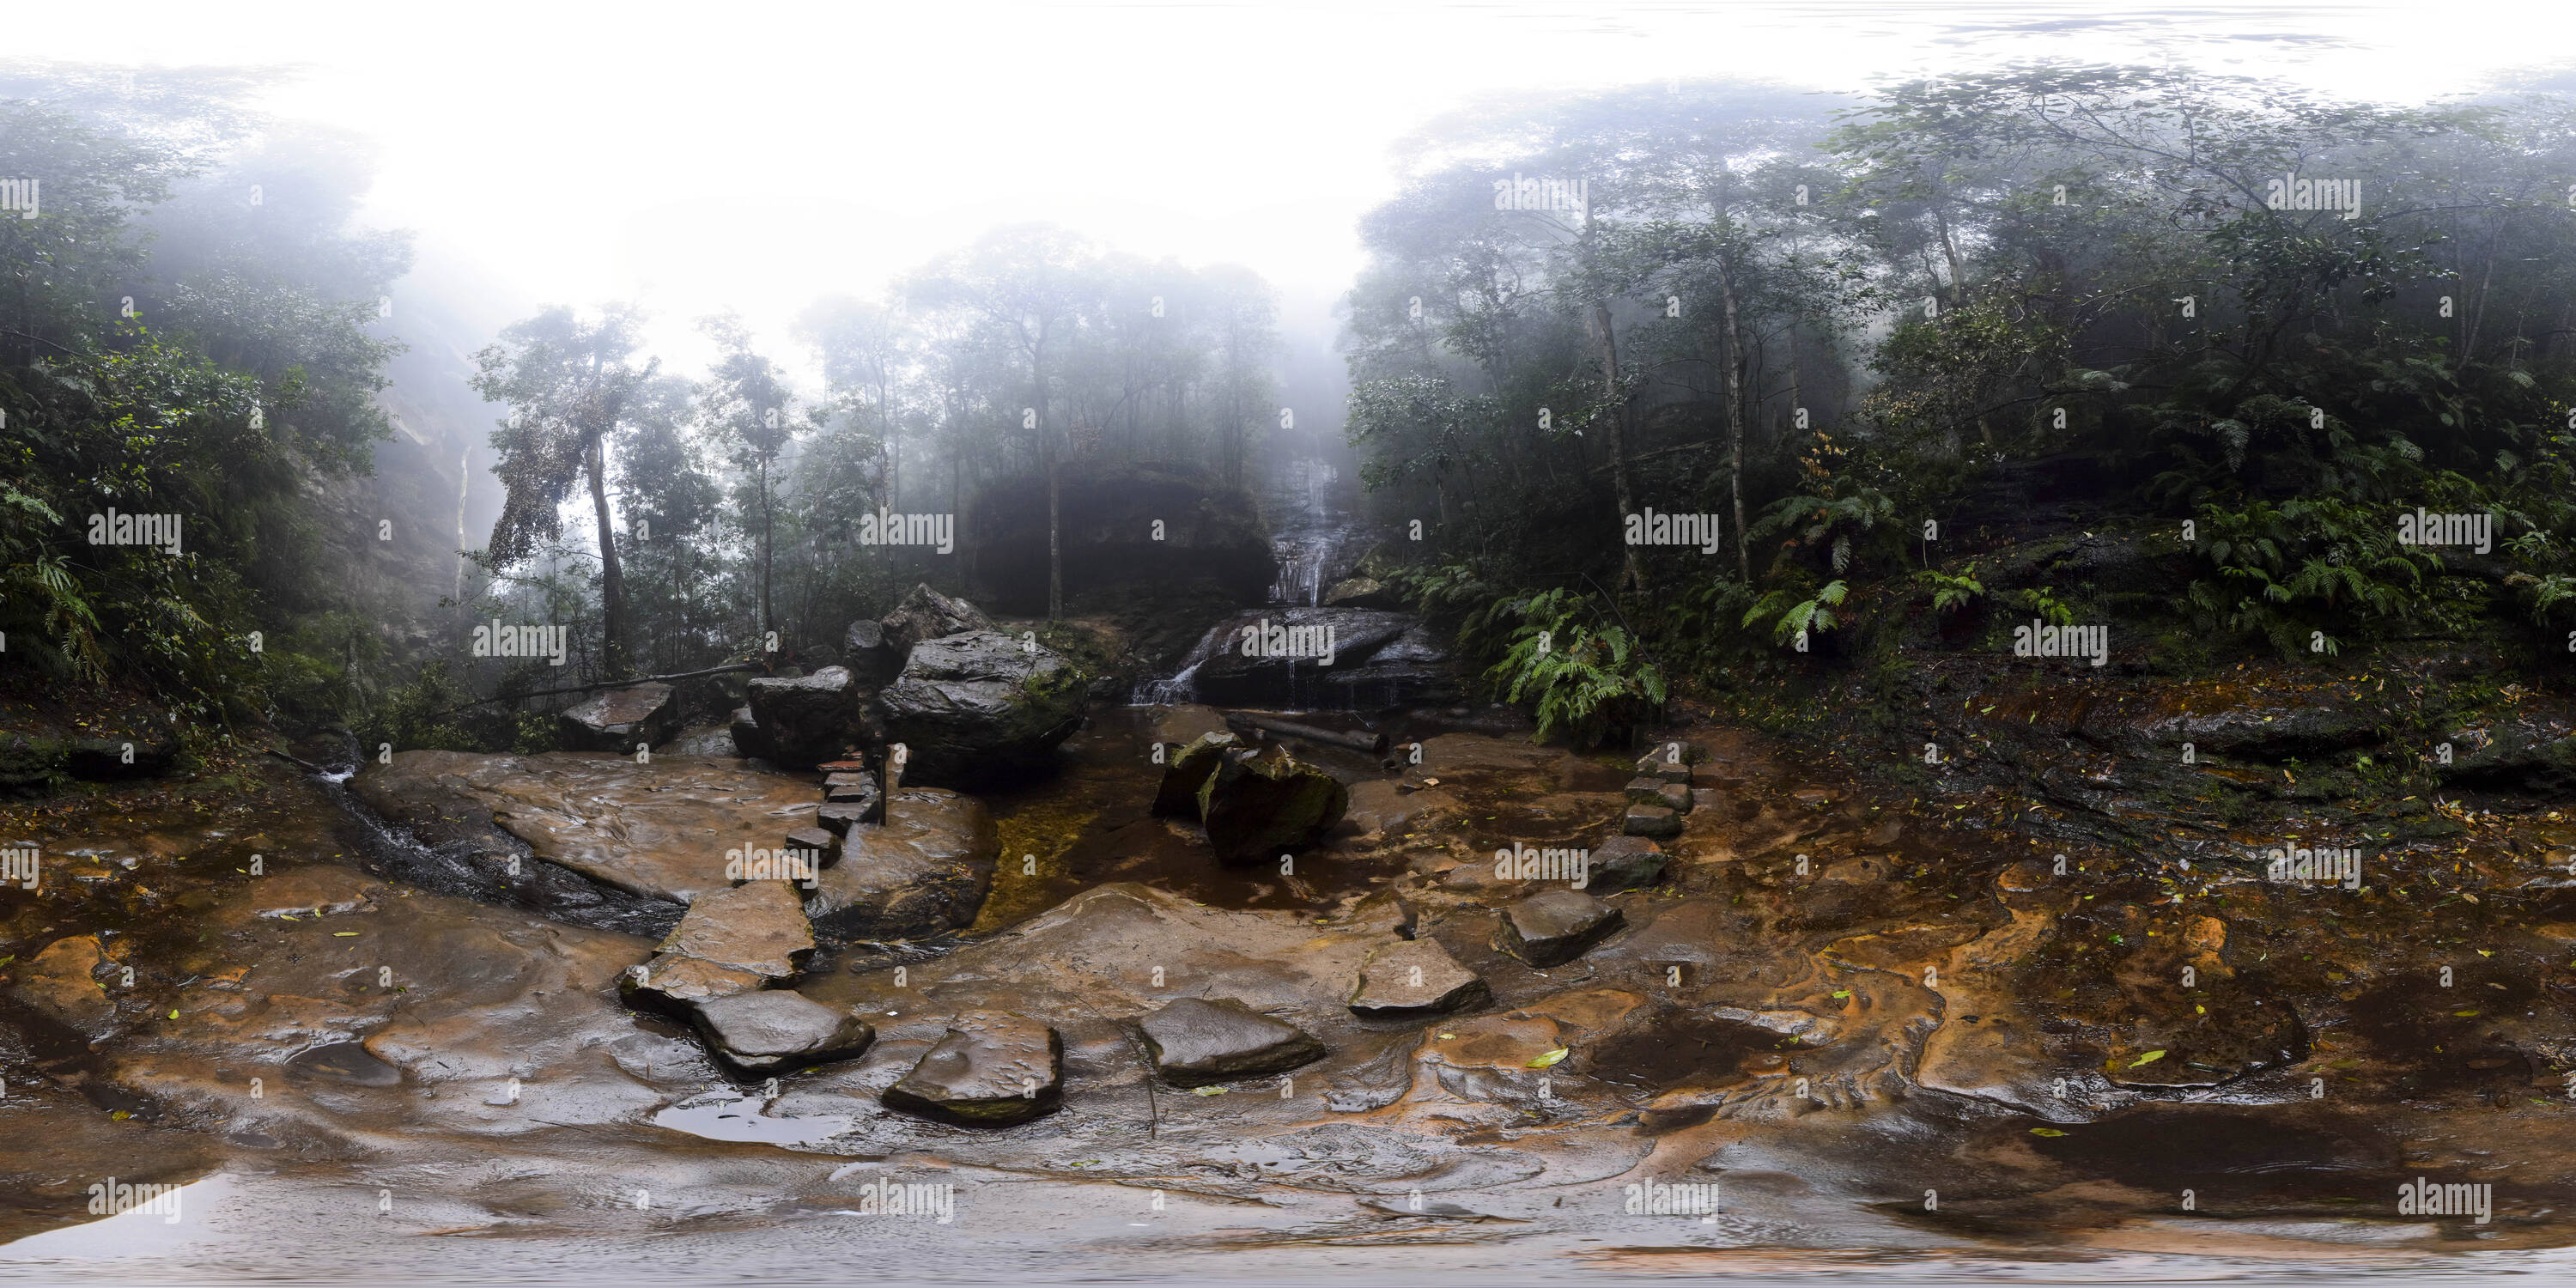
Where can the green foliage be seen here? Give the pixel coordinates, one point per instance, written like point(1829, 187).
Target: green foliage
point(2043, 600)
point(1792, 617)
point(1951, 593)
point(2304, 573)
point(1586, 678)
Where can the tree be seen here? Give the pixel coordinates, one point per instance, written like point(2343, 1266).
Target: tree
point(569, 383)
point(745, 400)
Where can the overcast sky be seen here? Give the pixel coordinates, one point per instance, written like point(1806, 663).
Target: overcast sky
point(753, 156)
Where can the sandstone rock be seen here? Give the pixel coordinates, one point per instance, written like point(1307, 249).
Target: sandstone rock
point(799, 722)
point(1233, 676)
point(1675, 797)
point(924, 871)
point(1261, 806)
point(1656, 821)
point(760, 927)
point(1362, 592)
point(1413, 976)
point(838, 817)
point(820, 842)
point(1646, 791)
point(773, 1030)
point(62, 983)
point(710, 741)
point(1625, 863)
point(872, 658)
point(673, 980)
point(1553, 927)
point(659, 830)
point(980, 704)
point(1196, 1042)
point(925, 614)
point(1187, 768)
point(993, 1069)
point(617, 719)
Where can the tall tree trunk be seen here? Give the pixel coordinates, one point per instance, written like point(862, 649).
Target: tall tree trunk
point(1632, 574)
point(767, 623)
point(612, 579)
point(1735, 417)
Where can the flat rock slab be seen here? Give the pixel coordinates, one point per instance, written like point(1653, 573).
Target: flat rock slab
point(925, 870)
point(1673, 796)
point(1656, 821)
point(63, 983)
point(617, 719)
point(1413, 976)
point(759, 927)
point(993, 1069)
point(1625, 863)
point(776, 1029)
point(1553, 927)
point(659, 830)
point(676, 979)
point(1198, 1041)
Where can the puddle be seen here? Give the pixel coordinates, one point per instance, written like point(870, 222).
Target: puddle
point(725, 1117)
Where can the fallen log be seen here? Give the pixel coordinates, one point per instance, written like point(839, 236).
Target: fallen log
point(1362, 740)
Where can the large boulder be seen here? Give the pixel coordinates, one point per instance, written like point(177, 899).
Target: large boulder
point(993, 1069)
point(1187, 768)
point(925, 870)
point(1554, 927)
point(925, 614)
point(981, 704)
point(617, 719)
point(804, 721)
point(871, 654)
point(1257, 806)
point(1345, 658)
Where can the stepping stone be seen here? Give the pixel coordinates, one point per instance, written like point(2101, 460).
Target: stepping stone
point(1553, 927)
point(760, 927)
point(1625, 863)
point(849, 786)
point(1412, 977)
point(822, 843)
point(1196, 1042)
point(1659, 763)
point(775, 1029)
point(674, 980)
point(1673, 796)
point(1646, 790)
point(839, 819)
point(992, 1070)
point(1656, 821)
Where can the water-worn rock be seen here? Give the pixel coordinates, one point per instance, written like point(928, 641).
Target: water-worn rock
point(659, 830)
point(802, 721)
point(838, 817)
point(674, 980)
point(820, 843)
point(980, 704)
point(993, 1069)
point(1413, 976)
point(1187, 769)
point(1554, 927)
point(617, 719)
point(1198, 1041)
point(713, 741)
point(62, 983)
point(773, 1030)
point(1625, 863)
point(1260, 806)
point(758, 927)
point(1362, 592)
point(871, 657)
point(924, 871)
point(1291, 671)
point(1646, 791)
point(1659, 822)
point(925, 614)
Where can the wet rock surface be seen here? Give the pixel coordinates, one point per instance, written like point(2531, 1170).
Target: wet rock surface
point(926, 869)
point(1553, 927)
point(759, 926)
point(619, 719)
point(925, 614)
point(980, 705)
point(762, 1032)
point(1198, 1041)
point(1835, 997)
point(799, 722)
point(992, 1069)
point(1262, 805)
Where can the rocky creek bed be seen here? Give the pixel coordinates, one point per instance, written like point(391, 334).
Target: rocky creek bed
point(1879, 1022)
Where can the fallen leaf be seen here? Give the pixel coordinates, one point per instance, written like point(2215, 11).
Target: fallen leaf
point(2149, 1058)
point(1548, 1058)
point(2046, 1131)
point(1208, 1091)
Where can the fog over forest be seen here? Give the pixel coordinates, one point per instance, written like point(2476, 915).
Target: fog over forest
point(1034, 640)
